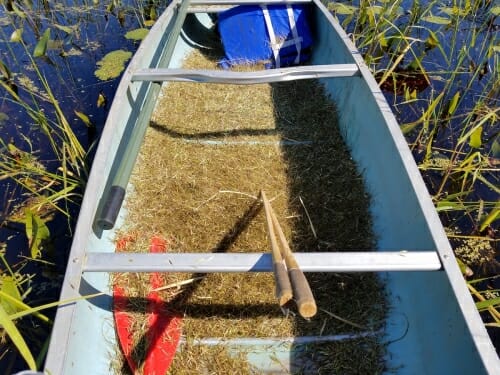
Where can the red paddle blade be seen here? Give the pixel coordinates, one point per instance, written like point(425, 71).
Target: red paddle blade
point(164, 327)
point(123, 323)
point(163, 342)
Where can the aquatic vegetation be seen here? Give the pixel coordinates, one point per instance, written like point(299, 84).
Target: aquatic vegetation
point(137, 34)
point(13, 289)
point(112, 64)
point(41, 46)
point(17, 338)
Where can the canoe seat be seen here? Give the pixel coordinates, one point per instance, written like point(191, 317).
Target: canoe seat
point(359, 261)
point(246, 78)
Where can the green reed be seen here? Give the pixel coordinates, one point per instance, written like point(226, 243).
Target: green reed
point(46, 191)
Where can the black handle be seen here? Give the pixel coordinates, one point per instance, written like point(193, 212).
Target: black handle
point(112, 207)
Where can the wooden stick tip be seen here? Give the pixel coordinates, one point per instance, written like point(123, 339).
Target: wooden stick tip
point(285, 297)
point(308, 310)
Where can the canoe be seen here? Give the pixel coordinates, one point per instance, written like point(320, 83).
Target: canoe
point(432, 325)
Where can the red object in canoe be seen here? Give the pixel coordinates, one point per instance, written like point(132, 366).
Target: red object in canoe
point(164, 327)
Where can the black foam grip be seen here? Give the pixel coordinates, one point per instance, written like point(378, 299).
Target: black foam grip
point(112, 207)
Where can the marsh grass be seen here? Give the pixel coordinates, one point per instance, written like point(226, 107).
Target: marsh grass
point(208, 153)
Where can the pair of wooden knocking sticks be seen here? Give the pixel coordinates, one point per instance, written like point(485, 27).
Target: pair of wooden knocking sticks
point(292, 283)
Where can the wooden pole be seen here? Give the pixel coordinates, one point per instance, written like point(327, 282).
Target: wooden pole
point(283, 286)
point(300, 287)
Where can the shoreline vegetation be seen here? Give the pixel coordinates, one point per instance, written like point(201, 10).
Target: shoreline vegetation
point(439, 67)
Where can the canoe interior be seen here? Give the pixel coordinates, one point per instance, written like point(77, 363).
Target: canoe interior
point(428, 306)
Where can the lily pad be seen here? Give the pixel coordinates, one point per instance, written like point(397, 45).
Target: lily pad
point(437, 20)
point(137, 34)
point(112, 64)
